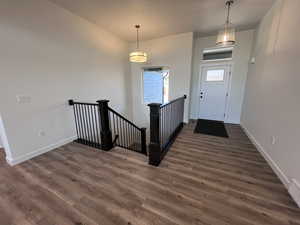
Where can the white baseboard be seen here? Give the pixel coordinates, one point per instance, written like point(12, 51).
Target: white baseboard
point(15, 161)
point(294, 191)
point(284, 179)
point(293, 186)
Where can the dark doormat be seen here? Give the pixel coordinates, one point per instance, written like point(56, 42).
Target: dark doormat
point(211, 127)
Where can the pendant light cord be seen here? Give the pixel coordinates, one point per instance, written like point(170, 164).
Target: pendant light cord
point(137, 36)
point(228, 4)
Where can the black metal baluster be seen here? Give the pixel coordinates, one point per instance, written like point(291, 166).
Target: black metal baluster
point(91, 126)
point(114, 125)
point(128, 135)
point(87, 124)
point(82, 124)
point(77, 122)
point(75, 116)
point(125, 133)
point(99, 124)
point(121, 132)
point(135, 138)
point(138, 138)
point(130, 138)
point(118, 130)
point(94, 125)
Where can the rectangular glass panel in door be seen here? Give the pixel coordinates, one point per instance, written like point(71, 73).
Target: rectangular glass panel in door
point(213, 92)
point(215, 75)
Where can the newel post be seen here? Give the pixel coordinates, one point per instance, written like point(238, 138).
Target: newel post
point(71, 102)
point(105, 133)
point(154, 146)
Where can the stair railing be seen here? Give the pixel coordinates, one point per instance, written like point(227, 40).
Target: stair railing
point(129, 136)
point(166, 121)
point(99, 126)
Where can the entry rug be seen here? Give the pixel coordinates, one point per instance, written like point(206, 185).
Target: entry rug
point(211, 127)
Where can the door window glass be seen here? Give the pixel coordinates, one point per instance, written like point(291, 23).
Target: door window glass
point(215, 75)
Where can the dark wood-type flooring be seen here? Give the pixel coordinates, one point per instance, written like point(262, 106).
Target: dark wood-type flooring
point(203, 180)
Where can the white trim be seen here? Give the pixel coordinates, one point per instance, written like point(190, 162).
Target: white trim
point(226, 120)
point(207, 61)
point(294, 191)
point(15, 161)
point(218, 49)
point(284, 179)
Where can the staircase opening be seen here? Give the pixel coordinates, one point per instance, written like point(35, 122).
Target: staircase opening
point(100, 126)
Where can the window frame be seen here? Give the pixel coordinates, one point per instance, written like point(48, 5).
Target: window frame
point(143, 83)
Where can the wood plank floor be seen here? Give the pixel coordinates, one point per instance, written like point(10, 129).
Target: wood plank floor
point(203, 180)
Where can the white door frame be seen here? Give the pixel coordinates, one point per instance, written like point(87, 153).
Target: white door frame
point(226, 63)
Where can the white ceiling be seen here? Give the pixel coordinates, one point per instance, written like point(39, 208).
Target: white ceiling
point(165, 17)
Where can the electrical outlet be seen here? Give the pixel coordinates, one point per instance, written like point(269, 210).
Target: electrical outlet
point(273, 140)
point(23, 99)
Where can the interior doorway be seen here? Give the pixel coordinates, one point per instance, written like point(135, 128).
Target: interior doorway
point(214, 88)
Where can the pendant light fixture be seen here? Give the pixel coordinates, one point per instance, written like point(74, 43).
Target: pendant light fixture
point(226, 36)
point(138, 56)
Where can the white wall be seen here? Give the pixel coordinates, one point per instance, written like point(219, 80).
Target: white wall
point(52, 55)
point(174, 52)
point(271, 106)
point(240, 61)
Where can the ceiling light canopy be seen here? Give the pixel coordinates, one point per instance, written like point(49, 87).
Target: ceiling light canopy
point(226, 36)
point(138, 56)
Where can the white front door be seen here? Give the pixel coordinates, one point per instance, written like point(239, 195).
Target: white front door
point(214, 80)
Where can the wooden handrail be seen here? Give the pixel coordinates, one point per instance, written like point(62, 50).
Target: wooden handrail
point(128, 121)
point(175, 100)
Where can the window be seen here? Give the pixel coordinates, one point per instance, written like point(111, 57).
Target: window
point(156, 85)
point(215, 75)
point(217, 54)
